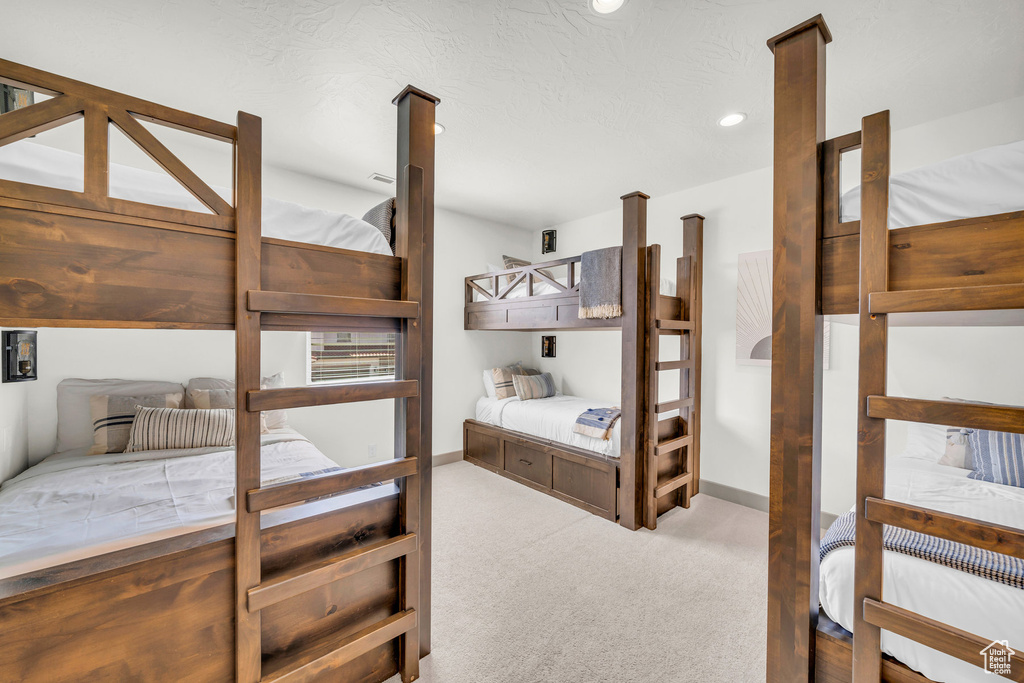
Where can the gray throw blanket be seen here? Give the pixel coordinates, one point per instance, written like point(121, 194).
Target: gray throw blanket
point(601, 283)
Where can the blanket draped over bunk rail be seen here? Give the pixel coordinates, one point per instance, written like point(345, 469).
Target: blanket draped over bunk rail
point(601, 283)
point(597, 422)
point(983, 563)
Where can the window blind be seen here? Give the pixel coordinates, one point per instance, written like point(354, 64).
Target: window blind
point(346, 356)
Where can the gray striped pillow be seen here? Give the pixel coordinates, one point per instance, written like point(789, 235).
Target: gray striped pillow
point(534, 386)
point(112, 418)
point(164, 428)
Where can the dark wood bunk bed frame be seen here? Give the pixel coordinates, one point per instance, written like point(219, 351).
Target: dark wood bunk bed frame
point(822, 266)
point(329, 590)
point(659, 464)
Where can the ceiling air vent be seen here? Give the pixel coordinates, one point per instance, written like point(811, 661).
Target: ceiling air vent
point(380, 177)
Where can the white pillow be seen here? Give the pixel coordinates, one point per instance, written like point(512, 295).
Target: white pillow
point(925, 441)
point(275, 419)
point(74, 418)
point(489, 384)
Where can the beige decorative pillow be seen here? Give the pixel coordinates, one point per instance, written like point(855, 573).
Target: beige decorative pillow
point(162, 428)
point(113, 416)
point(513, 262)
point(214, 399)
point(503, 384)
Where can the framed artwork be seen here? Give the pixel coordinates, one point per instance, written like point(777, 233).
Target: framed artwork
point(754, 311)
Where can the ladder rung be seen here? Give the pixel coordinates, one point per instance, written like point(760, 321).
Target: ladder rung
point(978, 298)
point(663, 365)
point(301, 397)
point(934, 634)
point(321, 304)
point(301, 490)
point(672, 484)
point(332, 652)
point(972, 532)
point(673, 444)
point(674, 325)
point(997, 418)
point(307, 577)
point(669, 406)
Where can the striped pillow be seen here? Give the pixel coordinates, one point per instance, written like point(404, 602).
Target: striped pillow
point(112, 418)
point(998, 457)
point(503, 387)
point(163, 428)
point(534, 386)
point(513, 262)
point(206, 399)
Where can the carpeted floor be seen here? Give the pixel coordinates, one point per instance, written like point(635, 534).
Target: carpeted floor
point(528, 589)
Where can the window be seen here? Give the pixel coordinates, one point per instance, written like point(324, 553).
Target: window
point(350, 356)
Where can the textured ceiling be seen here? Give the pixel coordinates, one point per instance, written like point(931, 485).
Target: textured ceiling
point(551, 111)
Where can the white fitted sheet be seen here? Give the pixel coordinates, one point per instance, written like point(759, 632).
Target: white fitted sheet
point(70, 507)
point(549, 418)
point(986, 608)
point(36, 164)
point(981, 183)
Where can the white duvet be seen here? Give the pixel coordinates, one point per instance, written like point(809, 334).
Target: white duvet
point(981, 183)
point(36, 164)
point(986, 608)
point(67, 508)
point(549, 418)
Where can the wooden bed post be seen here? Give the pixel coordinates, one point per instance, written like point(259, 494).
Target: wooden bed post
point(635, 358)
point(795, 483)
point(248, 231)
point(414, 244)
point(690, 283)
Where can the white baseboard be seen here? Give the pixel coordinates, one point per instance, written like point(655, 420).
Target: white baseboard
point(446, 458)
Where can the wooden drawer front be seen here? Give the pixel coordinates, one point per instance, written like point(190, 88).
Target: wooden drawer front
point(483, 447)
point(534, 315)
point(527, 463)
point(588, 484)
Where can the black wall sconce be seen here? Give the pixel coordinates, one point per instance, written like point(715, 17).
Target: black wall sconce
point(547, 347)
point(548, 241)
point(20, 356)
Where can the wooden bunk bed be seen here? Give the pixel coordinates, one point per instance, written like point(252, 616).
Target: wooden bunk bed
point(824, 266)
point(327, 590)
point(659, 459)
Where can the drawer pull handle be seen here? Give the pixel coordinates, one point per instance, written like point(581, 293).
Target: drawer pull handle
point(525, 462)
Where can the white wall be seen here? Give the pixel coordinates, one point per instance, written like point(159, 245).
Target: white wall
point(463, 246)
point(967, 363)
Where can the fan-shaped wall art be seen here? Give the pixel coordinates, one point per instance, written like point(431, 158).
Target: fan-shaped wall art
point(754, 311)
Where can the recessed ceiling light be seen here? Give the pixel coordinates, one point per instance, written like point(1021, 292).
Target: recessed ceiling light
point(438, 128)
point(732, 119)
point(606, 6)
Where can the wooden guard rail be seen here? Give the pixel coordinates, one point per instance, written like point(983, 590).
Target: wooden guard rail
point(72, 100)
point(530, 275)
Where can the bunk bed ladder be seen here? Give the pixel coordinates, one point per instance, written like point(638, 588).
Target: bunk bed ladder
point(254, 592)
point(873, 510)
point(673, 445)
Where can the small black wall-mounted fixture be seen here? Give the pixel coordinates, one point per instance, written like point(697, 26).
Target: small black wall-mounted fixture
point(20, 356)
point(547, 347)
point(548, 241)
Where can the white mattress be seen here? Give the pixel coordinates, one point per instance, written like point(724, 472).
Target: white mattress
point(981, 183)
point(70, 507)
point(668, 288)
point(36, 164)
point(986, 608)
point(549, 418)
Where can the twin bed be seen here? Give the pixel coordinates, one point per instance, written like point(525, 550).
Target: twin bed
point(260, 562)
point(922, 580)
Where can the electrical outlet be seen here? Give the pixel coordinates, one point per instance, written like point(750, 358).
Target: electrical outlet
point(371, 451)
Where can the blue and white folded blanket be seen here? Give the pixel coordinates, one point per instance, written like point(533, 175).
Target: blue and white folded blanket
point(597, 422)
point(983, 563)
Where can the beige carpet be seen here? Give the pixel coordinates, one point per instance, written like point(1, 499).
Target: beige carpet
point(528, 589)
